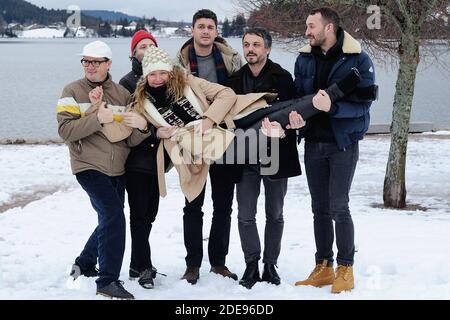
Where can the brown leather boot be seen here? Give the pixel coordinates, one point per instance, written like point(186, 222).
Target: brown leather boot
point(224, 272)
point(321, 276)
point(344, 279)
point(191, 275)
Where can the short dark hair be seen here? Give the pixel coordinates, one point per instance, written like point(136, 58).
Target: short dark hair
point(260, 32)
point(329, 15)
point(206, 14)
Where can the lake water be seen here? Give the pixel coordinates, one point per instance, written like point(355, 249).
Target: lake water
point(34, 72)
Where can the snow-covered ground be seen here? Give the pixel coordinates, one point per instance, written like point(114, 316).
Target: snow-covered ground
point(43, 33)
point(401, 254)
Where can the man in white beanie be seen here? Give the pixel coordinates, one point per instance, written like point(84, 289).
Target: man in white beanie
point(86, 112)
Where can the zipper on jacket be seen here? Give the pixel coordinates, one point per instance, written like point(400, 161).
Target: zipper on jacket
point(80, 146)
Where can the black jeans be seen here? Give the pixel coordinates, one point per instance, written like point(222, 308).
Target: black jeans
point(107, 242)
point(222, 193)
point(247, 193)
point(143, 198)
point(330, 173)
point(193, 230)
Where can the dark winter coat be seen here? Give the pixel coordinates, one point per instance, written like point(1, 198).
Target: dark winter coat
point(142, 158)
point(349, 120)
point(273, 78)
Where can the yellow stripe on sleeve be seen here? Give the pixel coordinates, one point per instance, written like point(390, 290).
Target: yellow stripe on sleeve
point(70, 109)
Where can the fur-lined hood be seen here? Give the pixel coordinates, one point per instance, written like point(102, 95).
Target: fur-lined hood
point(232, 59)
point(350, 46)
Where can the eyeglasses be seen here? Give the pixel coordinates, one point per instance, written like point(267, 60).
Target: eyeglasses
point(94, 63)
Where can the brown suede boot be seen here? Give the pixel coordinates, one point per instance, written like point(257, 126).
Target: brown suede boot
point(191, 275)
point(321, 276)
point(224, 272)
point(344, 279)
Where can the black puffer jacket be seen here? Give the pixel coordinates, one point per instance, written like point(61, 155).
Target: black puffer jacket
point(142, 158)
point(272, 78)
point(130, 80)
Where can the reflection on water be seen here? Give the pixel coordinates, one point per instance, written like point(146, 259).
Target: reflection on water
point(34, 72)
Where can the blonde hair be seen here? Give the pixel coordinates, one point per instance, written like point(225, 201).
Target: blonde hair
point(175, 87)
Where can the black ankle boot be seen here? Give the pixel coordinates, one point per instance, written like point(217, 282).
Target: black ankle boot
point(345, 86)
point(270, 274)
point(251, 275)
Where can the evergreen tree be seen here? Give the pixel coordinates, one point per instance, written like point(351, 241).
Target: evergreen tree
point(233, 27)
point(152, 23)
point(240, 24)
point(105, 30)
point(140, 25)
point(226, 28)
point(2, 25)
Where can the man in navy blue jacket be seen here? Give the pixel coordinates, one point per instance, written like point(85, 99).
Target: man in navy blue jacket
point(331, 143)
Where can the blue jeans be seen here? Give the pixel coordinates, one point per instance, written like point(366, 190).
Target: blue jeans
point(330, 173)
point(107, 242)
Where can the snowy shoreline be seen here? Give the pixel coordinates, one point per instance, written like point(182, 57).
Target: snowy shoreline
point(58, 141)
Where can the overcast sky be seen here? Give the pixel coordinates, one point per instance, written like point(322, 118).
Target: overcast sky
point(173, 10)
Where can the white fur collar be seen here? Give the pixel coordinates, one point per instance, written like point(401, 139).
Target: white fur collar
point(153, 112)
point(350, 46)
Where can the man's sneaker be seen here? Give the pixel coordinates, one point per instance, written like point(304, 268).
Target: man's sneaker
point(224, 272)
point(146, 278)
point(143, 276)
point(115, 290)
point(344, 279)
point(270, 274)
point(191, 275)
point(133, 274)
point(76, 272)
point(322, 275)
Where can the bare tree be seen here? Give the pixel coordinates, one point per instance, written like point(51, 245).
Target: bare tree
point(404, 26)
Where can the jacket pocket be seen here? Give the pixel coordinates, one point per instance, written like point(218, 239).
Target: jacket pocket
point(358, 128)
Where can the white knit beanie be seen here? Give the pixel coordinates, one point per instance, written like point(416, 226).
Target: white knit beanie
point(156, 59)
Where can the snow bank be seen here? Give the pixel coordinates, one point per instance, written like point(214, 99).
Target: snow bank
point(43, 33)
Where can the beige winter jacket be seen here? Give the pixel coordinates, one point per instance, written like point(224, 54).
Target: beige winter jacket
point(213, 101)
point(88, 141)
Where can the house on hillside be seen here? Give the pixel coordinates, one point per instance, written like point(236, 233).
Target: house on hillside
point(13, 29)
point(182, 32)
